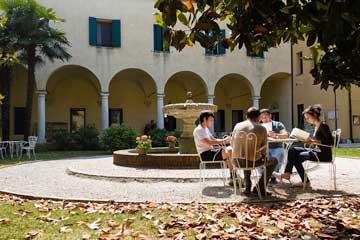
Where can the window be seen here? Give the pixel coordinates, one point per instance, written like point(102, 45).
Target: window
point(77, 118)
point(219, 49)
point(220, 121)
point(300, 64)
point(300, 110)
point(237, 116)
point(115, 116)
point(19, 124)
point(170, 123)
point(159, 42)
point(260, 54)
point(104, 33)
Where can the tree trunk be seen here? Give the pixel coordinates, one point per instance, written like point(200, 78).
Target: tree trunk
point(5, 75)
point(31, 61)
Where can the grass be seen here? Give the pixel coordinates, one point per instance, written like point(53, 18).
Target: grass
point(74, 220)
point(348, 152)
point(52, 155)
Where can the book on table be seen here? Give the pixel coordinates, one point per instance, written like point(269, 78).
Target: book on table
point(299, 134)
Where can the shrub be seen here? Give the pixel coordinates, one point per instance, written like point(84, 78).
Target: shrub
point(119, 137)
point(62, 139)
point(86, 138)
point(82, 139)
point(158, 136)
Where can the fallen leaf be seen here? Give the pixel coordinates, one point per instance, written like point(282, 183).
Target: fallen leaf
point(65, 229)
point(113, 224)
point(33, 234)
point(4, 220)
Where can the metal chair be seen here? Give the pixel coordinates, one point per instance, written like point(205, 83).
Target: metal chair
point(3, 146)
point(222, 163)
point(29, 146)
point(332, 166)
point(244, 160)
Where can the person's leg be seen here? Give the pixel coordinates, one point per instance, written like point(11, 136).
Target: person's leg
point(304, 156)
point(293, 158)
point(247, 180)
point(270, 166)
point(279, 154)
point(227, 154)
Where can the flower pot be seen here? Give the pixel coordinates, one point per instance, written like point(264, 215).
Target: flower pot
point(141, 151)
point(172, 145)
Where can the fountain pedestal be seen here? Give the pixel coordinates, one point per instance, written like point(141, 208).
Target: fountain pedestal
point(188, 112)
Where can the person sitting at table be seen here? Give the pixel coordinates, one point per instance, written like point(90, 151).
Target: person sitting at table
point(252, 125)
point(205, 141)
point(297, 155)
point(277, 130)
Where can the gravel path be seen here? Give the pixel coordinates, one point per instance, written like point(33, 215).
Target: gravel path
point(50, 179)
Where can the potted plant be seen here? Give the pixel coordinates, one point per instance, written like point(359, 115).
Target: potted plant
point(171, 141)
point(143, 144)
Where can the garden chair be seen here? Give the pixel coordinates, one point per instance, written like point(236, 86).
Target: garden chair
point(243, 160)
point(3, 147)
point(332, 166)
point(222, 163)
point(29, 147)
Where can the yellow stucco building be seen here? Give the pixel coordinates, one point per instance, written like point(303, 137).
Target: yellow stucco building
point(120, 73)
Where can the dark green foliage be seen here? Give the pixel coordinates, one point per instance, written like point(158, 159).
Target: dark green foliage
point(119, 137)
point(331, 27)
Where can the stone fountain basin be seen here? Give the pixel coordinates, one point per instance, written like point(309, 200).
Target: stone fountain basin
point(188, 110)
point(158, 158)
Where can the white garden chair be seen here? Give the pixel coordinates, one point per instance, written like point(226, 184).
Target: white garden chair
point(243, 160)
point(332, 166)
point(222, 163)
point(3, 146)
point(29, 147)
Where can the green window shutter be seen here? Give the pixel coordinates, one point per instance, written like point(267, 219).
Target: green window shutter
point(221, 48)
point(116, 33)
point(261, 54)
point(157, 30)
point(92, 31)
point(209, 51)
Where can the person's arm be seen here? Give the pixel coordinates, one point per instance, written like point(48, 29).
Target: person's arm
point(214, 141)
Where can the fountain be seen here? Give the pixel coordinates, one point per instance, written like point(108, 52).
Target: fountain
point(183, 157)
point(188, 112)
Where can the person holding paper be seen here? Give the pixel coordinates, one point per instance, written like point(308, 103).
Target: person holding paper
point(297, 155)
point(274, 129)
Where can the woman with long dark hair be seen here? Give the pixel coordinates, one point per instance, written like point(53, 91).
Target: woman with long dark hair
point(322, 137)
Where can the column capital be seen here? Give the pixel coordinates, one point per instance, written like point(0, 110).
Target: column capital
point(104, 94)
point(160, 95)
point(41, 92)
point(211, 96)
point(256, 97)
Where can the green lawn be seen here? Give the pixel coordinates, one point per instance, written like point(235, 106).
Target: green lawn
point(348, 152)
point(302, 219)
point(51, 156)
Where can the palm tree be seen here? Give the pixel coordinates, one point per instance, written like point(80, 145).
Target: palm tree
point(8, 59)
point(28, 21)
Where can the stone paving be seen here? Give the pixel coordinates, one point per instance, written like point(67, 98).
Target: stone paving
point(51, 179)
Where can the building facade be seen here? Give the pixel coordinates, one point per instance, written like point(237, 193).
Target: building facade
point(341, 109)
point(121, 73)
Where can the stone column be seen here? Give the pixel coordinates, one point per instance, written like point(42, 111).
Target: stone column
point(41, 116)
point(104, 110)
point(211, 101)
point(256, 100)
point(160, 114)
